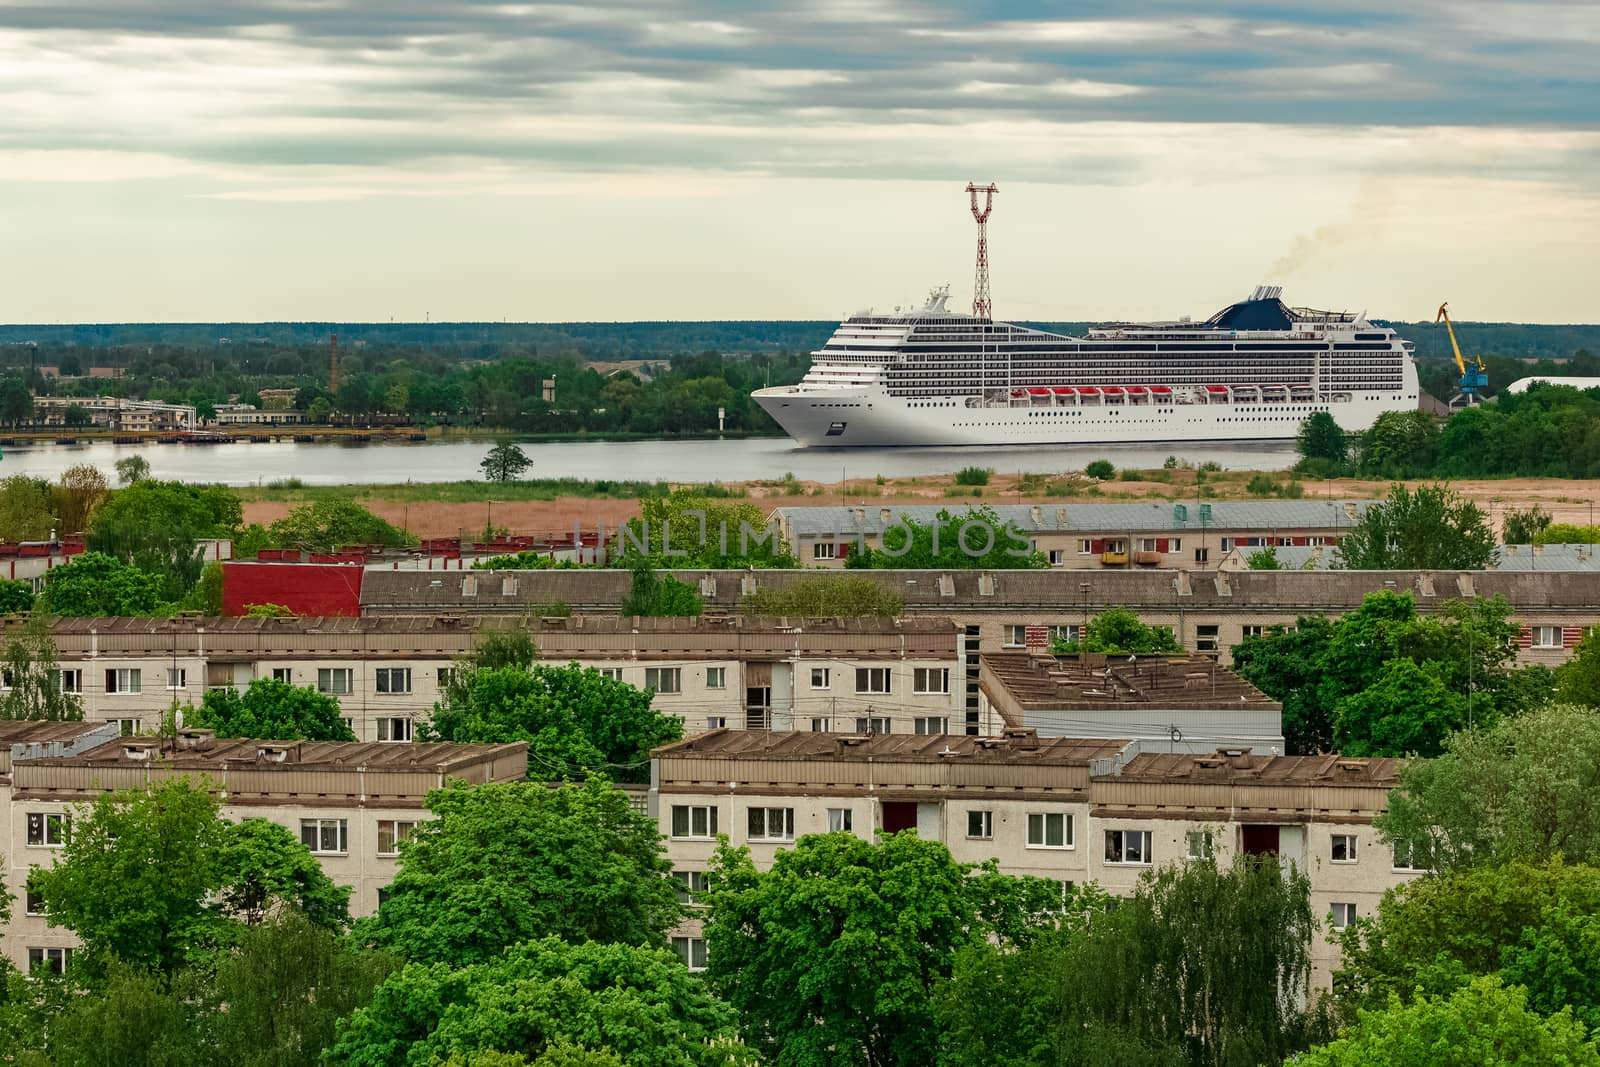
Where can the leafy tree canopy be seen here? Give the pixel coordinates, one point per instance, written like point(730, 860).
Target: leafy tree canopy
point(660, 595)
point(16, 598)
point(27, 512)
point(1524, 527)
point(155, 526)
point(151, 878)
point(1525, 788)
point(1428, 528)
point(32, 679)
point(271, 710)
point(1118, 631)
point(97, 584)
point(324, 525)
point(1563, 533)
point(1265, 559)
point(1578, 679)
point(547, 1002)
point(975, 538)
point(506, 862)
point(1320, 438)
point(504, 463)
point(81, 490)
point(1483, 1024)
point(671, 531)
point(134, 468)
point(574, 719)
point(826, 596)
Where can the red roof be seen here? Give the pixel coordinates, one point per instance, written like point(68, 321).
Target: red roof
point(1159, 389)
point(1063, 390)
point(1114, 390)
point(1039, 392)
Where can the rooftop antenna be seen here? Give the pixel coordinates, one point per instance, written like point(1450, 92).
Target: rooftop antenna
point(982, 306)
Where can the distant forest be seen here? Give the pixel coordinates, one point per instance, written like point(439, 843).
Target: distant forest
point(492, 374)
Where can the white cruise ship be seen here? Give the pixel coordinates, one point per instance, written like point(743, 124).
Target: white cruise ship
point(1252, 371)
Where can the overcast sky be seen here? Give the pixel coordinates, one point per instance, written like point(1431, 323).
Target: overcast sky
point(376, 159)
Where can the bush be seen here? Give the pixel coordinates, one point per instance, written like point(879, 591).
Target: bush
point(1100, 468)
point(973, 476)
point(1261, 485)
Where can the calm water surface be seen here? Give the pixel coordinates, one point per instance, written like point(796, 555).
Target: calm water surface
point(331, 463)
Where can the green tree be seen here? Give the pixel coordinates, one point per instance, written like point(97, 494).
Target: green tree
point(1400, 444)
point(976, 538)
point(1429, 528)
point(1533, 926)
point(206, 596)
point(33, 684)
point(506, 862)
point(1524, 527)
point(1286, 664)
point(1265, 559)
point(1578, 679)
point(77, 417)
point(1321, 440)
point(16, 598)
point(573, 718)
point(134, 468)
point(1408, 708)
point(325, 525)
point(816, 596)
point(26, 510)
point(319, 410)
point(1525, 788)
point(1484, 1024)
point(284, 986)
point(833, 956)
point(544, 999)
point(135, 1017)
point(271, 710)
point(688, 529)
point(1118, 631)
point(1565, 533)
point(150, 878)
point(504, 463)
point(1101, 469)
point(97, 584)
point(657, 595)
point(16, 401)
point(81, 490)
point(157, 525)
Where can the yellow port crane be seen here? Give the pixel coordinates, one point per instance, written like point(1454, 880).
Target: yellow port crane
point(1471, 380)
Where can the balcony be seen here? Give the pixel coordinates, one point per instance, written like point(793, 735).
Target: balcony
point(1114, 557)
point(1147, 559)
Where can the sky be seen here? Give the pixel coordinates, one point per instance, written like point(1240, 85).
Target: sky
point(360, 160)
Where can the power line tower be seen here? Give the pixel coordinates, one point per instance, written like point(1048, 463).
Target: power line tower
point(982, 306)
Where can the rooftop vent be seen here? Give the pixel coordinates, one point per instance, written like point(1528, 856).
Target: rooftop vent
point(196, 738)
point(272, 753)
point(142, 751)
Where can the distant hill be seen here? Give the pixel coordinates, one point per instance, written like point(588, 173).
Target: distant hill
point(638, 340)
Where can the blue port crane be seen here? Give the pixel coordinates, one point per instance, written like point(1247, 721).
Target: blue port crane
point(1472, 381)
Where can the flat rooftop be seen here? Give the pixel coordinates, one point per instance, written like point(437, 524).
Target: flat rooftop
point(194, 750)
point(1241, 767)
point(1017, 746)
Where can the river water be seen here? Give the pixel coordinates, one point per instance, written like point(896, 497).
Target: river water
point(331, 463)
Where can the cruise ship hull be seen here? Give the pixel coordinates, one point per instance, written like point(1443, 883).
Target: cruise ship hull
point(867, 419)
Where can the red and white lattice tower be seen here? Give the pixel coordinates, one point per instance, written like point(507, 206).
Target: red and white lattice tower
point(982, 306)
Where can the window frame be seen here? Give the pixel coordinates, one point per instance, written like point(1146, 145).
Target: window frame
point(1146, 851)
point(1044, 818)
point(841, 820)
point(331, 674)
point(124, 681)
point(76, 673)
point(1352, 849)
point(824, 550)
point(283, 674)
point(672, 674)
point(764, 815)
point(383, 681)
point(721, 677)
point(182, 676)
point(821, 724)
point(1408, 866)
point(827, 677)
point(1545, 646)
point(1014, 635)
point(692, 886)
point(396, 836)
point(341, 829)
point(384, 724)
point(1207, 842)
point(922, 677)
point(613, 673)
point(873, 724)
point(55, 960)
point(688, 952)
point(1341, 914)
point(869, 675)
point(984, 821)
point(54, 829)
point(709, 822)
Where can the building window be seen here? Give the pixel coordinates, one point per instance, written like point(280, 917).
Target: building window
point(872, 724)
point(177, 677)
point(393, 680)
point(71, 681)
point(1128, 846)
point(1255, 631)
point(614, 673)
point(394, 728)
point(54, 960)
point(325, 837)
point(124, 680)
point(1058, 556)
point(872, 680)
point(33, 902)
point(821, 677)
point(1547, 637)
point(771, 824)
point(447, 678)
point(48, 830)
point(692, 885)
point(930, 724)
point(1344, 848)
point(930, 680)
point(821, 725)
point(980, 825)
point(1201, 555)
point(694, 821)
point(1409, 856)
point(128, 727)
point(840, 820)
point(1016, 635)
point(1066, 632)
point(716, 677)
point(1343, 915)
point(663, 679)
point(390, 833)
point(1085, 547)
point(1205, 638)
point(692, 951)
point(1049, 830)
point(824, 550)
point(282, 674)
point(1175, 544)
point(334, 680)
point(1199, 842)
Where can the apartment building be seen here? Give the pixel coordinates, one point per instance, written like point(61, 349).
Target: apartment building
point(350, 803)
point(1209, 611)
point(1086, 536)
point(1069, 809)
point(116, 413)
point(1189, 704)
point(826, 675)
